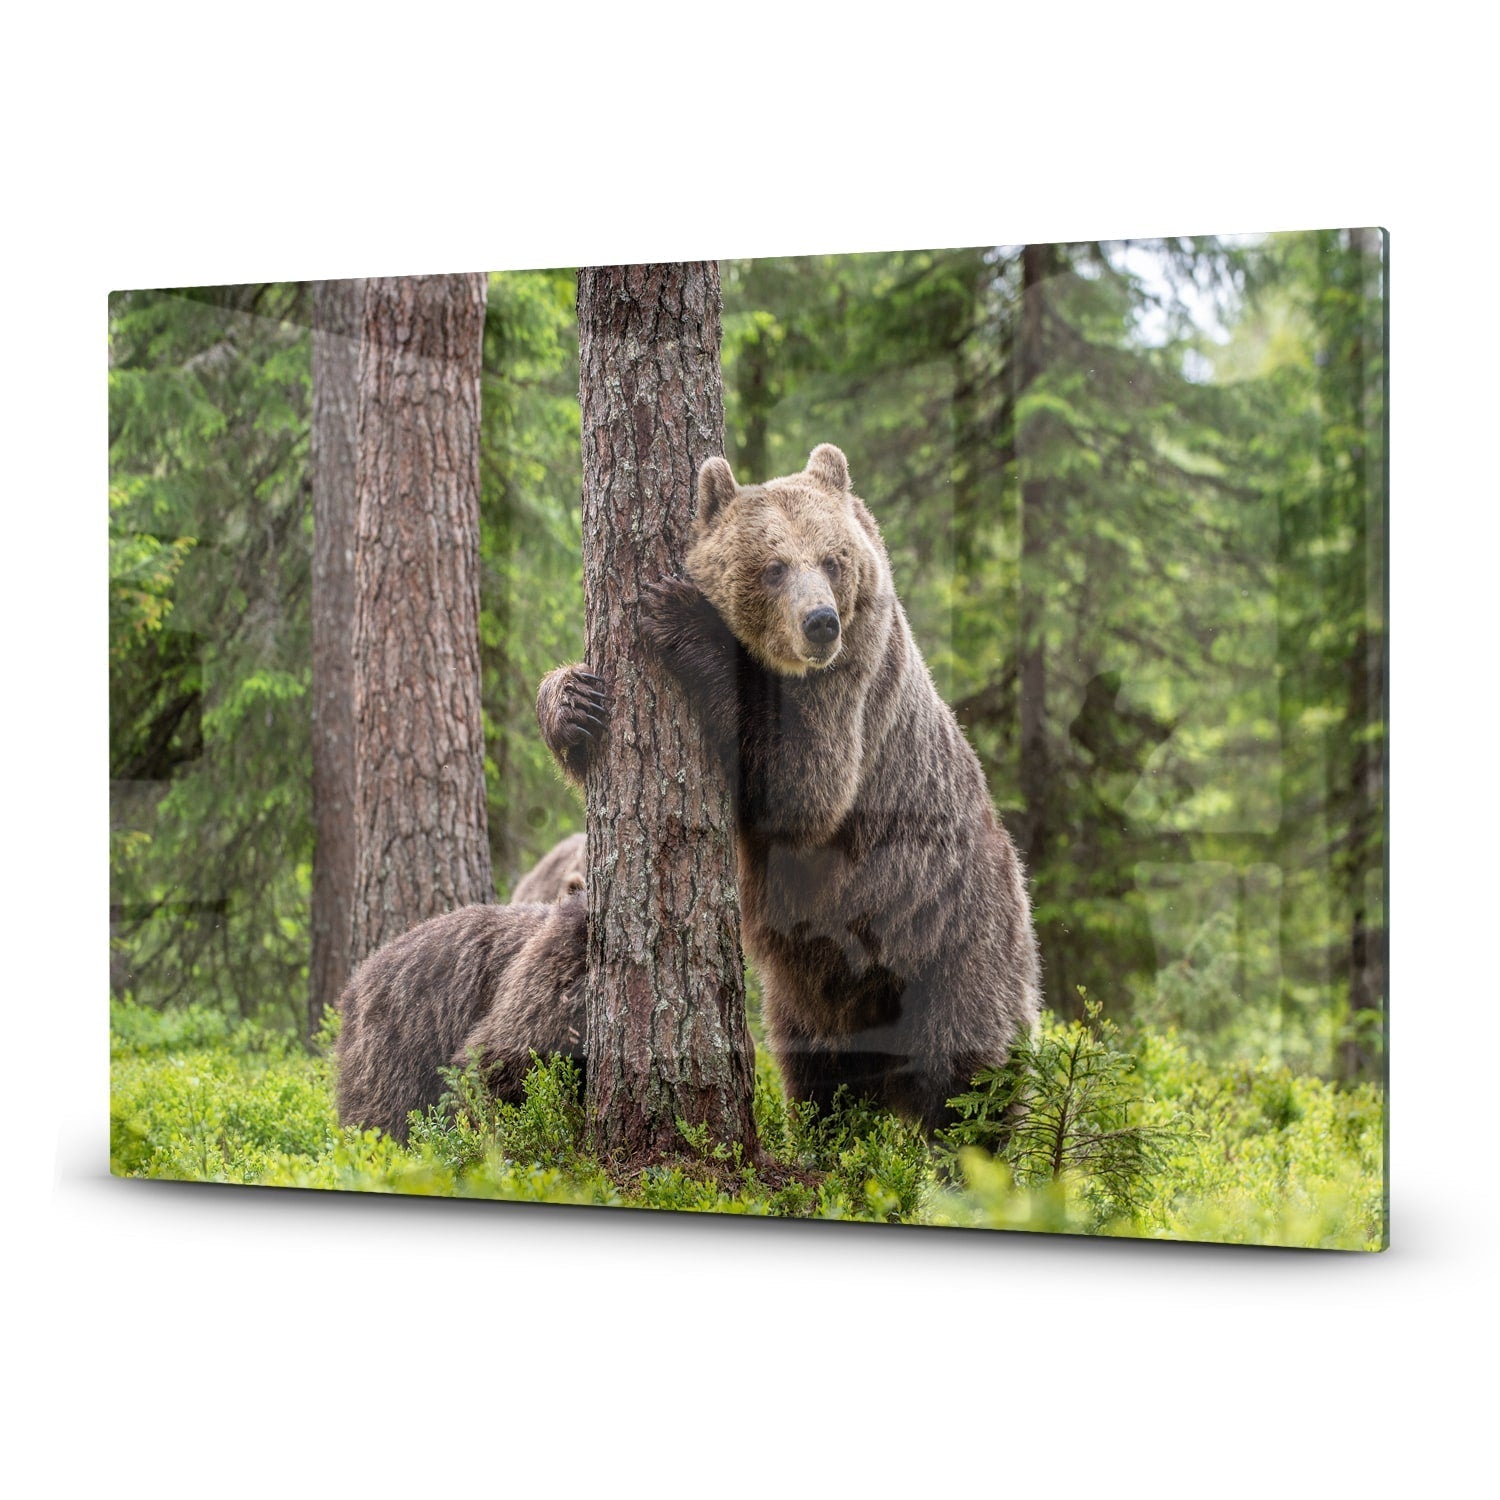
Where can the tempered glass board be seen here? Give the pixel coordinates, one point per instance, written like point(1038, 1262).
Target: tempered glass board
point(989, 831)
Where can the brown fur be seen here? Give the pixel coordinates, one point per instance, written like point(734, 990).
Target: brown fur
point(560, 872)
point(885, 907)
point(570, 710)
point(538, 1005)
point(501, 978)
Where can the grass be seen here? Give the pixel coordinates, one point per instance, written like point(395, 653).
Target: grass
point(1147, 1140)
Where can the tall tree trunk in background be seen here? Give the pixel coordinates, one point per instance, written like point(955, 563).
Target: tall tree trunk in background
point(338, 311)
point(667, 1037)
point(1039, 263)
point(984, 454)
point(756, 403)
point(1363, 791)
point(979, 422)
point(422, 846)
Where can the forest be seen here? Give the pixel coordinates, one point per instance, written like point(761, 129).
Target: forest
point(1134, 496)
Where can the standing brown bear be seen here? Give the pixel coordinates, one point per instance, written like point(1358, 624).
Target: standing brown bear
point(885, 908)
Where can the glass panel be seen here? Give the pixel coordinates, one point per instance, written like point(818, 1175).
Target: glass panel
point(1132, 497)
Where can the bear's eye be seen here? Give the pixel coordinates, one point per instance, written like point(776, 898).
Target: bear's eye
point(773, 574)
point(831, 568)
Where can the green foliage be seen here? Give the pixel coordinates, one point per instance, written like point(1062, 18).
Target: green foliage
point(881, 1170)
point(1067, 1103)
point(210, 835)
point(469, 1124)
point(1254, 1154)
point(531, 562)
point(1270, 1156)
point(789, 1129)
point(139, 1031)
point(213, 1103)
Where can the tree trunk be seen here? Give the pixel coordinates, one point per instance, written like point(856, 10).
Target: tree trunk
point(1039, 263)
point(1363, 863)
point(421, 843)
point(338, 310)
point(755, 401)
point(666, 1033)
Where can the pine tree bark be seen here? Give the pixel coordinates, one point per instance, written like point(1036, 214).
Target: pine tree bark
point(667, 1038)
point(1039, 264)
point(338, 311)
point(421, 841)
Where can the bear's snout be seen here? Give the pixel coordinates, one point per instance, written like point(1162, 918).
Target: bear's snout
point(821, 626)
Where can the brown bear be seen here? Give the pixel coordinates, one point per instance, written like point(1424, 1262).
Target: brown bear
point(503, 979)
point(560, 872)
point(538, 1003)
point(885, 908)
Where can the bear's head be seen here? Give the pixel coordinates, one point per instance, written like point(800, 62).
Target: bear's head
point(790, 565)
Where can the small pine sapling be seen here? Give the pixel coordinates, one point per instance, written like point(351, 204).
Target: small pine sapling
point(1065, 1103)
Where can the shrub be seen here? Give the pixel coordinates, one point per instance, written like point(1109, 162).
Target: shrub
point(1151, 1140)
point(468, 1122)
point(1066, 1103)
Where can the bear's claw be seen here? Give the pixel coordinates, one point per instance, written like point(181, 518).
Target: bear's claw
point(572, 710)
point(670, 609)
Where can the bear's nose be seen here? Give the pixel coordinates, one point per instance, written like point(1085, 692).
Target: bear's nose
point(821, 626)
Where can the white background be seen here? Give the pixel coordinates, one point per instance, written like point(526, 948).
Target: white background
point(167, 1339)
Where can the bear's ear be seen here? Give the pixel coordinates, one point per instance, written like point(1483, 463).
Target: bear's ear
point(829, 467)
point(716, 488)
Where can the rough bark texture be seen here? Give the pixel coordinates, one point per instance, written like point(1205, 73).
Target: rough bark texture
point(338, 309)
point(1039, 263)
point(422, 844)
point(666, 1031)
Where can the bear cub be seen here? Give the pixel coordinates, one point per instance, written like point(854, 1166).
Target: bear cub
point(884, 906)
point(501, 979)
point(559, 872)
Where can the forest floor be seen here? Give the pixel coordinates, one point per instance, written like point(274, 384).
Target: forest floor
point(1244, 1153)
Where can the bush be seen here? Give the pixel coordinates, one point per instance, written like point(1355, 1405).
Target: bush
point(1080, 1134)
point(1067, 1104)
point(216, 1114)
point(468, 1123)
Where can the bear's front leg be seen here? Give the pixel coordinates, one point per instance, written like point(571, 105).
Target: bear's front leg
point(572, 710)
point(818, 1071)
point(696, 647)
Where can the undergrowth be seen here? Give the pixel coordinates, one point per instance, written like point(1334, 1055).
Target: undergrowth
point(1084, 1132)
